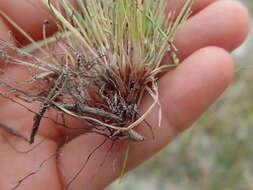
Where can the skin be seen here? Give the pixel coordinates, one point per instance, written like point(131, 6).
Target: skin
point(206, 70)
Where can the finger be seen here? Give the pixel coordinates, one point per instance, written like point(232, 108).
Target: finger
point(224, 24)
point(30, 16)
point(197, 5)
point(184, 94)
point(14, 166)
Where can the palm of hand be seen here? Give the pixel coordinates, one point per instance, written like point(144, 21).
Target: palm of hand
point(185, 93)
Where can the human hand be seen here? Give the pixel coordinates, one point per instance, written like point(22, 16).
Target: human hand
point(185, 93)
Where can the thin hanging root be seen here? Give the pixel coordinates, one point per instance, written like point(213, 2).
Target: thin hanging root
point(13, 132)
point(84, 164)
point(21, 151)
point(35, 171)
point(124, 166)
point(100, 165)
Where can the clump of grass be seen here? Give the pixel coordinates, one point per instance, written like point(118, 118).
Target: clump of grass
point(109, 55)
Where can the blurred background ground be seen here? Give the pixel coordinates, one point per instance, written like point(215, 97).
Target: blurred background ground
point(217, 152)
